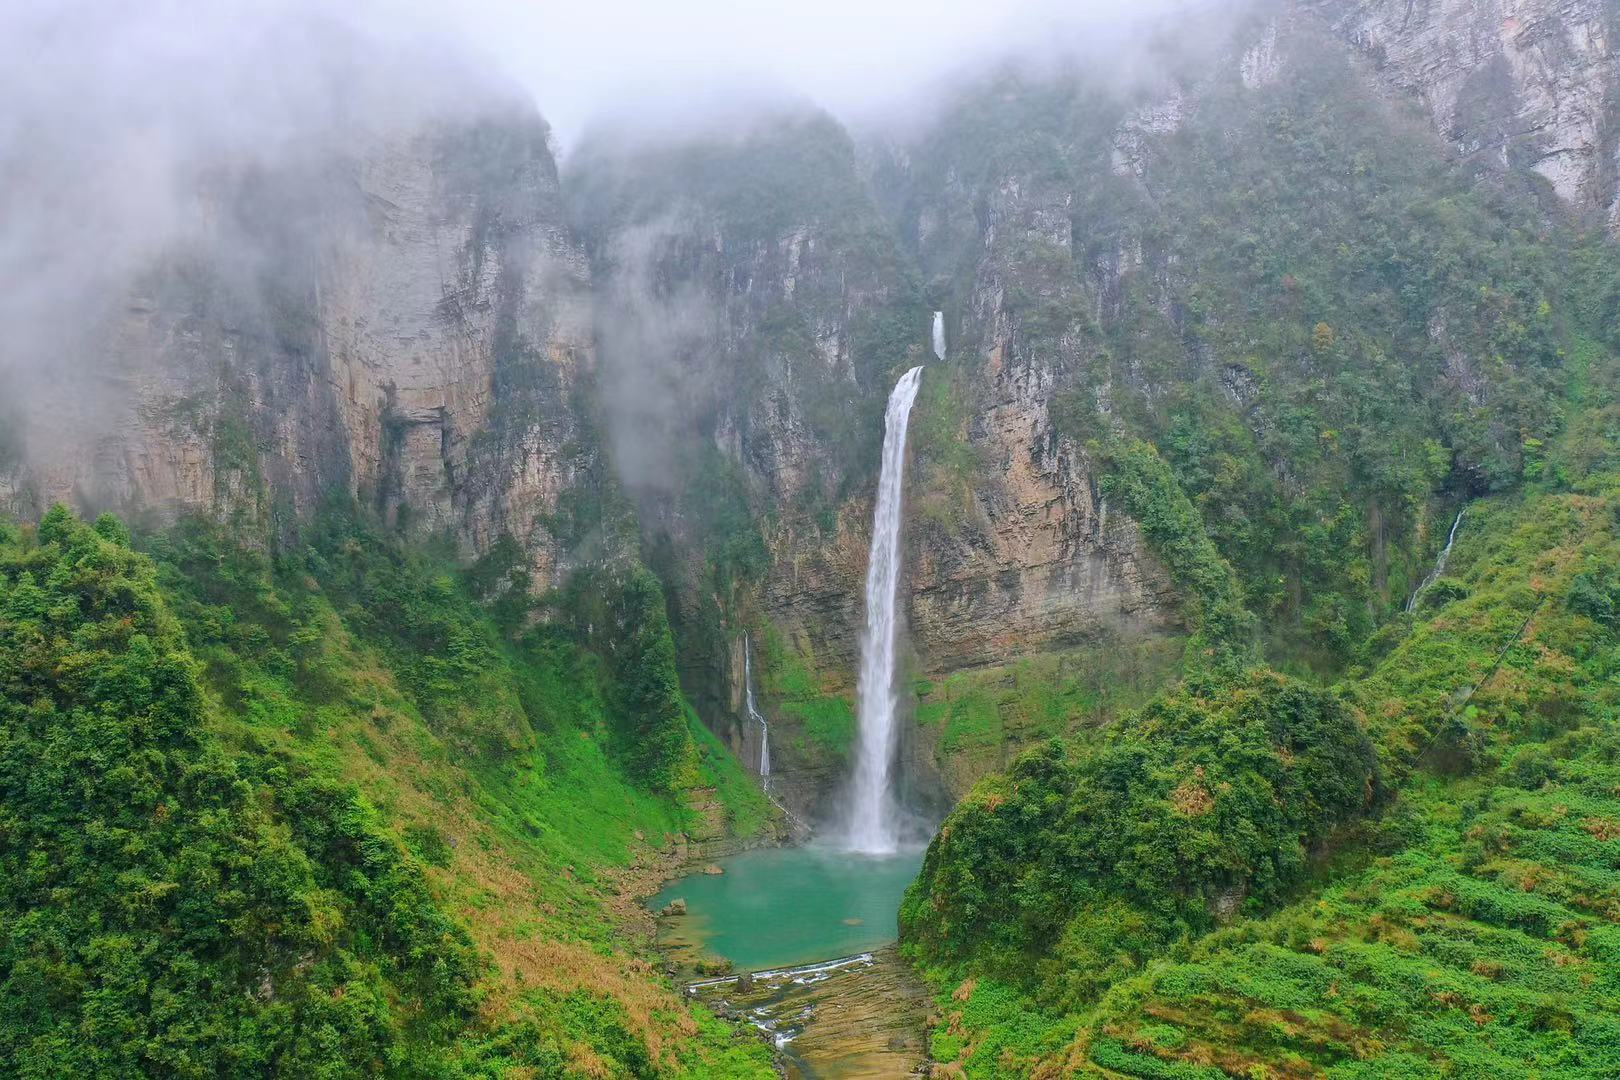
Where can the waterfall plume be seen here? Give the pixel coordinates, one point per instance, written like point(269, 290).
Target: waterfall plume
point(755, 715)
point(1439, 565)
point(874, 825)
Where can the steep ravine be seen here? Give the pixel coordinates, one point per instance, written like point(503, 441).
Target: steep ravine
point(441, 326)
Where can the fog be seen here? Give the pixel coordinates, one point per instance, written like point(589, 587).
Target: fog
point(650, 66)
point(122, 118)
point(112, 108)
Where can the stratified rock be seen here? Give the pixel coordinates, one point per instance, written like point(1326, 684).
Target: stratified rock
point(1511, 83)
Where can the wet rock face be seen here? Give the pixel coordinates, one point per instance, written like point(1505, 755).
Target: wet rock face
point(404, 322)
point(1038, 563)
point(1512, 83)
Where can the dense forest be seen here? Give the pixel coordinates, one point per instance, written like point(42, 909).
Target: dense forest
point(317, 816)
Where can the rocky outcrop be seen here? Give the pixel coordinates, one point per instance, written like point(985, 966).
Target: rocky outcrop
point(405, 321)
point(1511, 83)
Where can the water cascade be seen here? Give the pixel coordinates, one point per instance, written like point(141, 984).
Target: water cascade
point(939, 335)
point(874, 826)
point(1439, 565)
point(756, 715)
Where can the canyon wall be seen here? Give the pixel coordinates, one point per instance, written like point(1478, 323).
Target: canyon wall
point(404, 322)
point(433, 322)
point(1511, 84)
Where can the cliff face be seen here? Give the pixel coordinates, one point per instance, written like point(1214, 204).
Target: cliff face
point(1222, 262)
point(1512, 84)
point(778, 333)
point(404, 322)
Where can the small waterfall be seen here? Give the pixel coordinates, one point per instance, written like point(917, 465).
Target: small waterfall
point(873, 824)
point(755, 714)
point(1439, 565)
point(939, 335)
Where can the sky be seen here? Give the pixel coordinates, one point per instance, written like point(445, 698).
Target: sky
point(614, 60)
point(642, 64)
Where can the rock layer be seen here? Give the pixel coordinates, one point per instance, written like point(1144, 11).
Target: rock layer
point(1511, 83)
point(405, 323)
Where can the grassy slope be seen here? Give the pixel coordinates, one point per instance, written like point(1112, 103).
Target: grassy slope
point(1475, 927)
point(979, 720)
point(487, 763)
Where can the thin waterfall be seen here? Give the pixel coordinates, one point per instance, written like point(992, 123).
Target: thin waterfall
point(939, 335)
point(756, 715)
point(874, 826)
point(1439, 565)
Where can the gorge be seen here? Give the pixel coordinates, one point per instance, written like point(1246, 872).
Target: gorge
point(432, 547)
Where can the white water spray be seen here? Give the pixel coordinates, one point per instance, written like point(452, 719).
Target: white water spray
point(1439, 566)
point(939, 335)
point(874, 826)
point(756, 715)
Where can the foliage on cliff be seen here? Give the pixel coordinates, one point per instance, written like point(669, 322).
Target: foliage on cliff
point(1225, 637)
point(1470, 928)
point(313, 816)
point(619, 613)
point(1077, 866)
point(1328, 330)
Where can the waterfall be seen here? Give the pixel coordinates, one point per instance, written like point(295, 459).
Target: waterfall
point(755, 714)
point(939, 334)
point(873, 823)
point(1439, 565)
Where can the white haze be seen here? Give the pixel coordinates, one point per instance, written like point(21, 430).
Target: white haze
point(112, 107)
point(651, 66)
point(118, 114)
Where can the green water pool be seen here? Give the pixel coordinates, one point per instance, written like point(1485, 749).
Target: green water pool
point(781, 906)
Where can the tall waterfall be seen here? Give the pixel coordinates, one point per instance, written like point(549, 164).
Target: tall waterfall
point(1439, 565)
point(874, 826)
point(756, 715)
point(939, 335)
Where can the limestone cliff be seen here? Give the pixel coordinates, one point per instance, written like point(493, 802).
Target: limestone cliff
point(1512, 84)
point(1240, 259)
point(404, 321)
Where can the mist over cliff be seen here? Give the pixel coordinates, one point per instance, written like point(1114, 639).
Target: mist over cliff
point(265, 254)
point(488, 403)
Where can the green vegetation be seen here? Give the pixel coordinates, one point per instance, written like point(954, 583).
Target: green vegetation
point(620, 613)
point(1224, 634)
point(1488, 945)
point(313, 814)
point(981, 718)
point(1468, 928)
point(1328, 333)
point(168, 910)
point(1073, 869)
point(825, 720)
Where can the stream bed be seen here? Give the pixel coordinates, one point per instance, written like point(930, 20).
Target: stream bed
point(811, 931)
